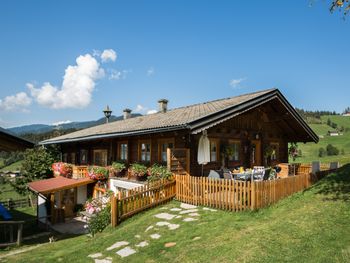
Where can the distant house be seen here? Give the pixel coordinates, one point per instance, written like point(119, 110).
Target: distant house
point(346, 114)
point(333, 133)
point(11, 142)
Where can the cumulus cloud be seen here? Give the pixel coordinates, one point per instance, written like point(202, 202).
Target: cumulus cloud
point(150, 71)
point(61, 122)
point(78, 84)
point(151, 112)
point(235, 83)
point(108, 55)
point(16, 102)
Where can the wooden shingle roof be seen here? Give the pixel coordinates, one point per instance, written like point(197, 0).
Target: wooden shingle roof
point(189, 117)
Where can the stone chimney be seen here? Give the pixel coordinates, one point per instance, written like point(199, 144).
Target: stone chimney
point(163, 105)
point(127, 114)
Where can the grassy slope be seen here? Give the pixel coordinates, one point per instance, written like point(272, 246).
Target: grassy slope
point(310, 150)
point(13, 167)
point(312, 226)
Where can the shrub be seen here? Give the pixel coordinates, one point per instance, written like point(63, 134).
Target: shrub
point(332, 150)
point(322, 152)
point(118, 167)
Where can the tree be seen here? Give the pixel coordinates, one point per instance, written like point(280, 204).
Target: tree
point(322, 152)
point(329, 123)
point(36, 165)
point(332, 150)
point(342, 5)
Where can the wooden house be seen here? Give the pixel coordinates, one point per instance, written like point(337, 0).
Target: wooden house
point(249, 125)
point(10, 142)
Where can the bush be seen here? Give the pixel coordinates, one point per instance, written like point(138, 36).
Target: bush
point(138, 169)
point(332, 150)
point(100, 221)
point(322, 152)
point(157, 172)
point(117, 166)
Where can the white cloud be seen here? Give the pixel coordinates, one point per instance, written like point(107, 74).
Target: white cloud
point(78, 84)
point(108, 55)
point(117, 75)
point(61, 122)
point(151, 112)
point(16, 102)
point(150, 71)
point(139, 108)
point(235, 83)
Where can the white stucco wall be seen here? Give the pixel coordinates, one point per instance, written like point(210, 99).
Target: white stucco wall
point(81, 194)
point(114, 184)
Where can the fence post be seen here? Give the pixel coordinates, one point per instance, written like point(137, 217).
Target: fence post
point(114, 211)
point(252, 196)
point(19, 234)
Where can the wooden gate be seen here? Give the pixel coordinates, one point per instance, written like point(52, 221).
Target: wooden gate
point(178, 160)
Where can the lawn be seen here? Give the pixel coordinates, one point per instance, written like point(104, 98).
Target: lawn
point(310, 226)
point(310, 150)
point(12, 167)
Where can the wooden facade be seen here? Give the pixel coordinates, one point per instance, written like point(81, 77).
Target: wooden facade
point(251, 133)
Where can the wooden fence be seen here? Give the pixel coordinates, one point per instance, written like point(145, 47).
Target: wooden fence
point(8, 231)
point(133, 201)
point(237, 195)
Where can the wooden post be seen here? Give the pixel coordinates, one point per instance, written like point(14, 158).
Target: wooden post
point(252, 195)
point(114, 211)
point(19, 234)
point(52, 204)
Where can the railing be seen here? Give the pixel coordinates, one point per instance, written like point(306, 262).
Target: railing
point(80, 171)
point(131, 202)
point(8, 230)
point(237, 195)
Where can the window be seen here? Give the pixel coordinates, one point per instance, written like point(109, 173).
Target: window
point(83, 157)
point(123, 151)
point(163, 145)
point(275, 150)
point(145, 151)
point(214, 150)
point(234, 149)
point(100, 157)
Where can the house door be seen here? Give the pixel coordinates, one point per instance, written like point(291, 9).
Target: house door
point(255, 153)
point(178, 160)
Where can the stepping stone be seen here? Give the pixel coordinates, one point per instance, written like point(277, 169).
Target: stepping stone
point(137, 236)
point(142, 244)
point(97, 255)
point(106, 260)
point(165, 216)
point(173, 226)
point(162, 223)
point(209, 209)
point(163, 208)
point(196, 238)
point(188, 211)
point(189, 219)
point(149, 228)
point(187, 206)
point(155, 236)
point(178, 216)
point(170, 244)
point(193, 214)
point(175, 209)
point(117, 245)
point(125, 252)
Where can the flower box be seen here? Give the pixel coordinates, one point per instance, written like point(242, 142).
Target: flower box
point(62, 169)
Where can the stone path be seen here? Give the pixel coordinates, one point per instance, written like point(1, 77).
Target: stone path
point(186, 213)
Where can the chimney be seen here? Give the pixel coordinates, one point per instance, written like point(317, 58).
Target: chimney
point(127, 114)
point(163, 105)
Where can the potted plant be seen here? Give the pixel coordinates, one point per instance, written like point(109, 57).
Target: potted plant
point(118, 169)
point(293, 151)
point(98, 173)
point(139, 171)
point(157, 172)
point(62, 169)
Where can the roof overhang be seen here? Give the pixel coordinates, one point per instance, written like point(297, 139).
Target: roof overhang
point(217, 118)
point(56, 184)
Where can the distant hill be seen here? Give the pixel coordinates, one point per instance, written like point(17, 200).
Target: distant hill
point(43, 128)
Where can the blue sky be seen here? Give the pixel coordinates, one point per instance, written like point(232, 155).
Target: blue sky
point(185, 51)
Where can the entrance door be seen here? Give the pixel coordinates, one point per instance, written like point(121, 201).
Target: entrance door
point(255, 153)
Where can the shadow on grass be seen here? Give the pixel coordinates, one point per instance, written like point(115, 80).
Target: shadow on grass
point(335, 186)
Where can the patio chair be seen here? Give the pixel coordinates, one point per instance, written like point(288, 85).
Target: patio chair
point(214, 174)
point(267, 174)
point(258, 172)
point(227, 174)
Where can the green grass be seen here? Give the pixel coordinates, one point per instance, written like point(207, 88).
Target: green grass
point(12, 167)
point(7, 192)
point(310, 150)
point(310, 226)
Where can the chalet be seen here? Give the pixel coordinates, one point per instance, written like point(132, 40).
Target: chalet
point(10, 142)
point(248, 125)
point(333, 133)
